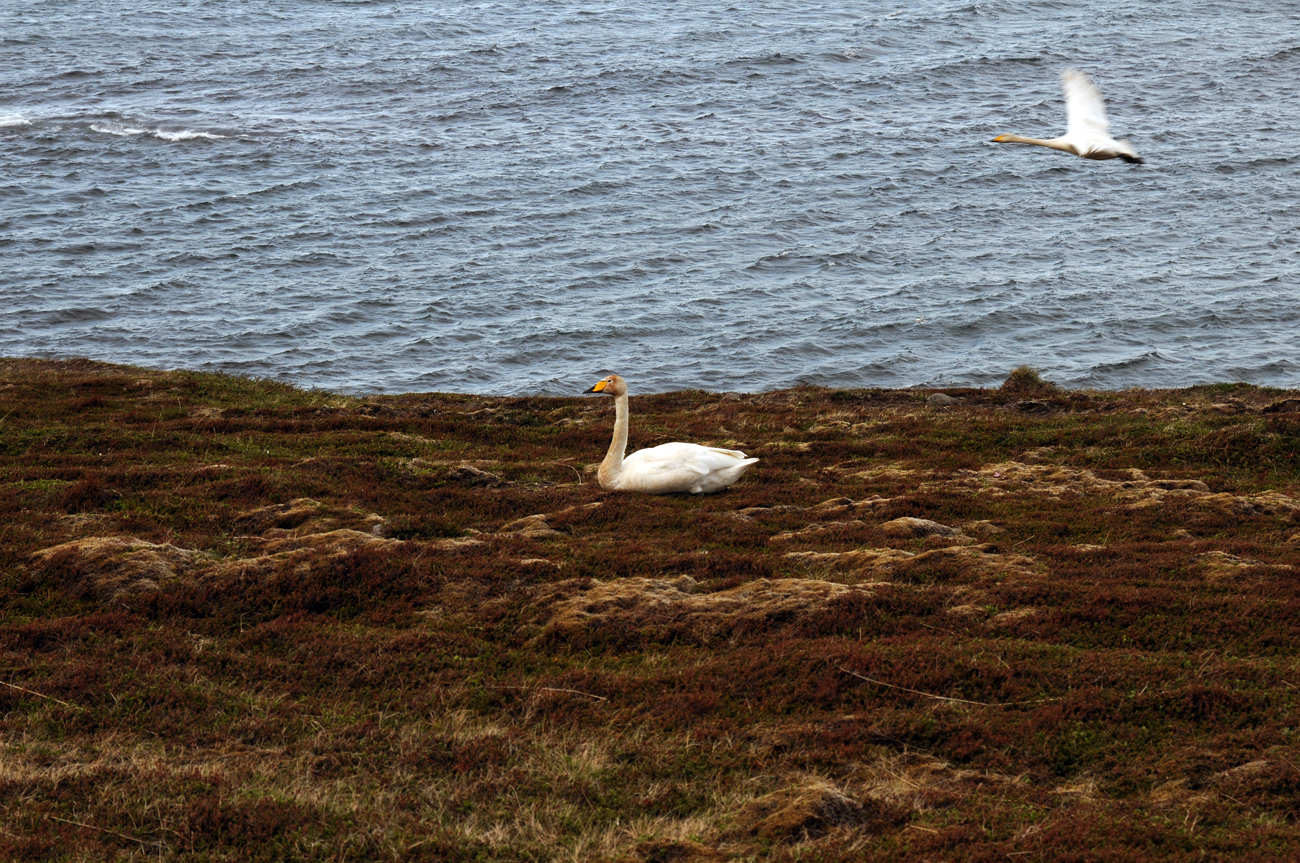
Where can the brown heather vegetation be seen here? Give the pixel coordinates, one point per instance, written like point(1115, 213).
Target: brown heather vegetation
point(246, 622)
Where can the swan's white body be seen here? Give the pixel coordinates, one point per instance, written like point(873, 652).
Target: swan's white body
point(1088, 131)
point(670, 468)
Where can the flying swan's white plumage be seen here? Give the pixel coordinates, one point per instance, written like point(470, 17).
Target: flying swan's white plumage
point(666, 469)
point(1088, 131)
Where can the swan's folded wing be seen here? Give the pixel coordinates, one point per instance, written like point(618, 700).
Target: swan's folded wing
point(701, 460)
point(715, 458)
point(1084, 106)
point(682, 467)
point(667, 458)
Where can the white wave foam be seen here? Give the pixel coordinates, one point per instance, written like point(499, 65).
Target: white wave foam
point(184, 135)
point(8, 120)
point(110, 128)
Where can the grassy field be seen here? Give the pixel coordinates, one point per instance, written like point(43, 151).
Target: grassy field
point(247, 622)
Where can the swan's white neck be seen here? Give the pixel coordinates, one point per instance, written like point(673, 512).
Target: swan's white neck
point(1054, 143)
point(612, 467)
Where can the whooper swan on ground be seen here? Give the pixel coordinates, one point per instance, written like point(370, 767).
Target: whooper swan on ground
point(1088, 131)
point(666, 469)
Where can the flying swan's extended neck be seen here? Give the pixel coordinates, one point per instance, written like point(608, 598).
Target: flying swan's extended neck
point(612, 466)
point(1054, 143)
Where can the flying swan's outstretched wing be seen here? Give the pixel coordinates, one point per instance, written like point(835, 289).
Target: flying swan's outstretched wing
point(1084, 109)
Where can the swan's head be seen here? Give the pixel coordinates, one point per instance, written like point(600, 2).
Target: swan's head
point(612, 385)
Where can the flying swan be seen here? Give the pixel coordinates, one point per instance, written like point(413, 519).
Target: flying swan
point(666, 469)
point(1088, 131)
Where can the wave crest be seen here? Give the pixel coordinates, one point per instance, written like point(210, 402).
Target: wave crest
point(108, 127)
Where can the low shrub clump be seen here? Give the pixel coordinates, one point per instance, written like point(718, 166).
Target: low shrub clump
point(1025, 380)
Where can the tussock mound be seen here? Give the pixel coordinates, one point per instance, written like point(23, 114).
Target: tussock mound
point(876, 561)
point(294, 536)
point(540, 525)
point(838, 505)
point(975, 560)
point(575, 605)
point(530, 525)
point(1266, 503)
point(918, 782)
point(109, 567)
point(1138, 491)
point(1025, 380)
point(302, 516)
point(1241, 782)
point(815, 527)
point(810, 810)
point(1283, 406)
point(834, 506)
point(304, 530)
point(1014, 477)
point(909, 528)
point(112, 566)
point(304, 550)
point(458, 474)
point(1220, 565)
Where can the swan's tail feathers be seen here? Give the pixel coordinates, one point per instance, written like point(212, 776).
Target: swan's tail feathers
point(729, 453)
point(732, 474)
point(724, 478)
point(1125, 151)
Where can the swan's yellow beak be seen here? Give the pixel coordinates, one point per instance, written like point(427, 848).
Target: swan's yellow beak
point(598, 388)
point(998, 139)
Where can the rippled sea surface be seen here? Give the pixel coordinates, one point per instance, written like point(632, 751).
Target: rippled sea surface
point(518, 197)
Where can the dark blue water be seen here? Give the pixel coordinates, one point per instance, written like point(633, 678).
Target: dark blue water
point(518, 197)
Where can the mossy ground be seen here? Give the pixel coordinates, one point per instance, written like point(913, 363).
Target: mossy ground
point(1105, 670)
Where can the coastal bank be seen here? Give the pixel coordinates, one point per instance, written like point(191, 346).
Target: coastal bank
point(247, 621)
